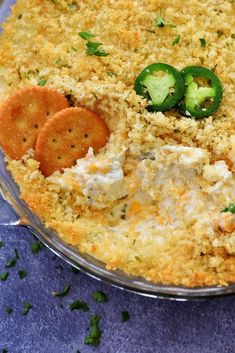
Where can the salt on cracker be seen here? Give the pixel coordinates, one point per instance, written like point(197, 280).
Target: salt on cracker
point(67, 136)
point(22, 116)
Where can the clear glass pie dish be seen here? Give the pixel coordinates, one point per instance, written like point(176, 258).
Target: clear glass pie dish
point(14, 212)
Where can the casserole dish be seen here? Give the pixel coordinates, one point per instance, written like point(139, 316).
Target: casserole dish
point(21, 215)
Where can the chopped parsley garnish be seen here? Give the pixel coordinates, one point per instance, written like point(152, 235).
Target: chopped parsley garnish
point(233, 35)
point(4, 276)
point(176, 40)
point(9, 310)
point(85, 35)
point(92, 48)
point(20, 16)
point(125, 316)
point(99, 297)
point(58, 61)
point(161, 22)
point(203, 42)
point(220, 33)
point(36, 247)
point(26, 308)
point(12, 262)
point(1, 244)
point(111, 74)
point(230, 208)
point(75, 270)
point(94, 338)
point(62, 294)
point(42, 82)
point(79, 305)
point(22, 274)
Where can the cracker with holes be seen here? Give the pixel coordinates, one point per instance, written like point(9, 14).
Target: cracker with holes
point(67, 136)
point(22, 116)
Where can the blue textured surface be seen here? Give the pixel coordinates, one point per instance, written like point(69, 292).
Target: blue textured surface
point(5, 8)
point(155, 326)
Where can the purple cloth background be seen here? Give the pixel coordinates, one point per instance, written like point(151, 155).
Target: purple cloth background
point(155, 326)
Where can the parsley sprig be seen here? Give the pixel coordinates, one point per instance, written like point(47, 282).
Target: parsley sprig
point(22, 274)
point(26, 308)
point(79, 305)
point(4, 276)
point(12, 262)
point(161, 22)
point(125, 316)
point(36, 247)
point(94, 338)
point(202, 42)
point(230, 208)
point(176, 40)
point(42, 82)
point(92, 48)
point(99, 297)
point(85, 35)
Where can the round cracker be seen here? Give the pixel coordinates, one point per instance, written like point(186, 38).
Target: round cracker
point(22, 116)
point(54, 102)
point(67, 136)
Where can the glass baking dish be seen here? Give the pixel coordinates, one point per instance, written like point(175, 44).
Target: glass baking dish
point(14, 212)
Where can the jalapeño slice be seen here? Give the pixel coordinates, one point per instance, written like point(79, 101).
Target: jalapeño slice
point(203, 92)
point(162, 85)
